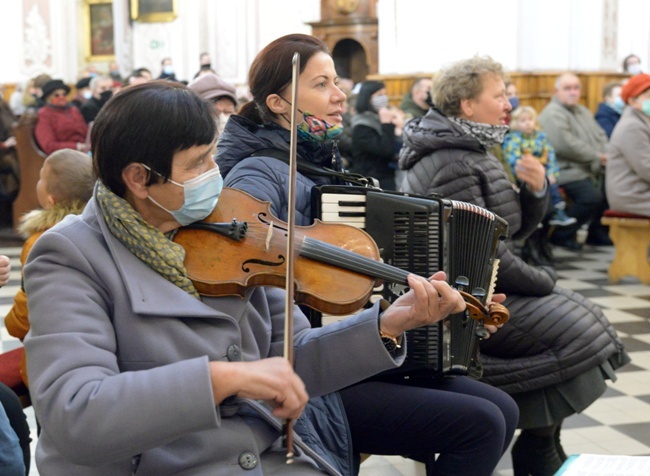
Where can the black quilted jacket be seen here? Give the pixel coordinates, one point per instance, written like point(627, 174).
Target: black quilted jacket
point(553, 334)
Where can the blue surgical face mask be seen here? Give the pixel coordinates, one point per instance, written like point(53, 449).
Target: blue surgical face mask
point(201, 196)
point(168, 69)
point(514, 102)
point(646, 107)
point(377, 102)
point(618, 104)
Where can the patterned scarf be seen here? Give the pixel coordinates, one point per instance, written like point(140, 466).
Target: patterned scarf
point(486, 134)
point(149, 244)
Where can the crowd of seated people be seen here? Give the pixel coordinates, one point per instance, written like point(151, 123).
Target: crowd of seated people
point(371, 145)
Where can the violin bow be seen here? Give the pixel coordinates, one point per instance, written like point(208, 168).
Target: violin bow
point(291, 220)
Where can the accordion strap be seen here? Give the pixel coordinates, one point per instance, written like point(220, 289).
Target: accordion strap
point(309, 169)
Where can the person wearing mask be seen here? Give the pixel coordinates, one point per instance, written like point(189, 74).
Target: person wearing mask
point(632, 64)
point(416, 102)
point(628, 152)
point(82, 92)
point(450, 417)
point(167, 70)
point(221, 94)
point(373, 135)
point(60, 125)
point(181, 383)
point(558, 348)
point(114, 72)
point(610, 110)
point(33, 97)
point(102, 91)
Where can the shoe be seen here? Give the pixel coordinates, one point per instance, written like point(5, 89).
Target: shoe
point(600, 240)
point(534, 455)
point(569, 244)
point(560, 218)
point(558, 445)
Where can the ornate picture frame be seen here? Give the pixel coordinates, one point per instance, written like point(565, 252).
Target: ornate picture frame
point(98, 30)
point(154, 11)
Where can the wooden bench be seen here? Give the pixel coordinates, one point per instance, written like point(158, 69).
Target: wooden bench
point(631, 236)
point(10, 374)
point(30, 161)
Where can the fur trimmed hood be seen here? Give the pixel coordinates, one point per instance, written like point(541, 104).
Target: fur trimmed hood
point(40, 220)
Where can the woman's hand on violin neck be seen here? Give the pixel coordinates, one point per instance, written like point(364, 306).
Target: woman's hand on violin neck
point(272, 380)
point(427, 302)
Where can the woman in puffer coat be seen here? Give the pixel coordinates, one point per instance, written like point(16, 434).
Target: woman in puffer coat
point(558, 348)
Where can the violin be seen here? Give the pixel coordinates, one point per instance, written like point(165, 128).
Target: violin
point(336, 266)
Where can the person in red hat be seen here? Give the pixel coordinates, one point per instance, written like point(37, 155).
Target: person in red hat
point(628, 153)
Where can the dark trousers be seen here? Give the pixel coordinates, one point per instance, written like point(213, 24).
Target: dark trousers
point(587, 204)
point(470, 424)
point(17, 419)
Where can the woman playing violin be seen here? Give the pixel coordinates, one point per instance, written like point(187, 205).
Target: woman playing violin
point(469, 424)
point(131, 370)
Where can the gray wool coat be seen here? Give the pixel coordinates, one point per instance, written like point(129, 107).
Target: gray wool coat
point(118, 357)
point(628, 164)
point(553, 334)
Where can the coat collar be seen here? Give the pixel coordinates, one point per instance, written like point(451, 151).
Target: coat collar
point(150, 294)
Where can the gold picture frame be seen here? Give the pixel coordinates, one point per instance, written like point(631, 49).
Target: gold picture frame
point(99, 34)
point(154, 11)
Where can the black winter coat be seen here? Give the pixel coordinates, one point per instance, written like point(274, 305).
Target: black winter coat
point(553, 334)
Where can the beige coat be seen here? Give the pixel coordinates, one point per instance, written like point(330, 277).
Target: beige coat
point(628, 164)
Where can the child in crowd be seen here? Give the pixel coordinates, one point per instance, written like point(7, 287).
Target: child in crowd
point(526, 138)
point(65, 185)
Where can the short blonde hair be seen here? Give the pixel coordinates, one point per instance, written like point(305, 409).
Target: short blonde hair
point(463, 80)
point(522, 111)
point(70, 176)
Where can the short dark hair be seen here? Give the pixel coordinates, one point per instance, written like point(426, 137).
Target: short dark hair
point(609, 87)
point(148, 123)
point(270, 72)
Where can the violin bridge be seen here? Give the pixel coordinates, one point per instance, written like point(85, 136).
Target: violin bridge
point(269, 234)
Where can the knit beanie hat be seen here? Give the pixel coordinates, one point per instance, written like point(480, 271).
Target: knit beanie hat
point(635, 86)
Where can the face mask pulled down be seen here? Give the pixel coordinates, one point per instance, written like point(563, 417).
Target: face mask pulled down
point(315, 129)
point(201, 195)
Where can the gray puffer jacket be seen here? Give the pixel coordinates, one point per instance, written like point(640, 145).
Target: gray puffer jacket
point(553, 334)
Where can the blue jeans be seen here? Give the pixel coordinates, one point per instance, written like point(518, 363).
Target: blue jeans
point(586, 204)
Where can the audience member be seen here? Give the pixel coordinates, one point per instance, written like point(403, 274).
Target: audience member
point(557, 349)
point(65, 185)
point(83, 92)
point(135, 78)
point(628, 152)
point(114, 72)
point(60, 125)
point(221, 94)
point(525, 138)
point(102, 91)
point(373, 135)
point(34, 91)
point(8, 157)
point(145, 73)
point(205, 65)
point(416, 102)
point(14, 435)
point(632, 64)
point(16, 99)
point(119, 334)
point(610, 110)
point(579, 143)
point(167, 70)
point(406, 418)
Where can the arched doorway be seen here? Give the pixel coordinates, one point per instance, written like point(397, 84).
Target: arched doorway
point(350, 60)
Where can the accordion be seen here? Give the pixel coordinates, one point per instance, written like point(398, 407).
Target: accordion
point(423, 235)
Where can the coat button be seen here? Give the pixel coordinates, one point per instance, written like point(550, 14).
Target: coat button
point(247, 460)
point(234, 353)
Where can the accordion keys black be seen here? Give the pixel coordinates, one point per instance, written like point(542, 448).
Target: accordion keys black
point(423, 235)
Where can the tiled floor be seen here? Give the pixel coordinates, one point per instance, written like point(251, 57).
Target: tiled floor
point(618, 423)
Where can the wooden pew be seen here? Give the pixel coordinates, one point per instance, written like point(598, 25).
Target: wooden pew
point(631, 236)
point(30, 161)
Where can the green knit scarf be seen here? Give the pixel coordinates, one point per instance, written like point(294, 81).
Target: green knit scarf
point(146, 242)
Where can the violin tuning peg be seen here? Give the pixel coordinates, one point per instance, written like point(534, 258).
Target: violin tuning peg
point(461, 283)
point(479, 293)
